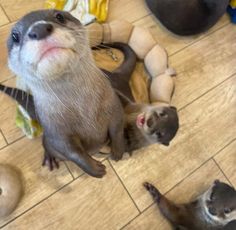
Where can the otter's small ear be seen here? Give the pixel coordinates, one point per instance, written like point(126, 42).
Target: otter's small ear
point(172, 107)
point(216, 182)
point(166, 143)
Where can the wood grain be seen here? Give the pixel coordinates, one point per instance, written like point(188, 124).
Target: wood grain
point(173, 43)
point(18, 8)
point(26, 155)
point(2, 141)
point(3, 18)
point(203, 65)
point(5, 73)
point(226, 159)
point(129, 10)
point(87, 203)
point(186, 191)
point(197, 140)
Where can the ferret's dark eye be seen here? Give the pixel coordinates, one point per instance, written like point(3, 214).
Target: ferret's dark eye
point(227, 210)
point(15, 37)
point(60, 18)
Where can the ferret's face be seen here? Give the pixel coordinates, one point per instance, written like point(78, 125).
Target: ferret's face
point(220, 202)
point(43, 43)
point(159, 123)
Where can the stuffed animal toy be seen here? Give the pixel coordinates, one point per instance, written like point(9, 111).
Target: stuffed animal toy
point(146, 48)
point(86, 11)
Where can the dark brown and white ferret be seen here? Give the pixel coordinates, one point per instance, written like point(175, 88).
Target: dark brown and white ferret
point(213, 210)
point(75, 103)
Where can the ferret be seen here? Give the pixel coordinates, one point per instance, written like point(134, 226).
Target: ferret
point(213, 210)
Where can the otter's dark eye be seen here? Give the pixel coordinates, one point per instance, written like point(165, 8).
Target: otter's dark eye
point(60, 18)
point(212, 197)
point(227, 210)
point(162, 114)
point(15, 37)
point(159, 134)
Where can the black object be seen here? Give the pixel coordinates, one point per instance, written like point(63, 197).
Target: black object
point(188, 17)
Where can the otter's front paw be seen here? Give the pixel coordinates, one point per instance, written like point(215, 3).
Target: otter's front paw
point(116, 156)
point(98, 169)
point(50, 161)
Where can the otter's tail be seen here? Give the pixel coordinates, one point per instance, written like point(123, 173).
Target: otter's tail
point(130, 59)
point(120, 77)
point(174, 213)
point(23, 98)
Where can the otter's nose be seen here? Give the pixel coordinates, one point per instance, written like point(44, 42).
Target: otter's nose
point(40, 31)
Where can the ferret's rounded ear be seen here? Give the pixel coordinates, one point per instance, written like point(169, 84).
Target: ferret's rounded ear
point(216, 182)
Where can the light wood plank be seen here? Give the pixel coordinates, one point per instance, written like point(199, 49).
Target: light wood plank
point(8, 116)
point(227, 162)
point(18, 8)
point(204, 64)
point(2, 141)
point(5, 73)
point(186, 191)
point(87, 203)
point(3, 18)
point(197, 140)
point(170, 41)
point(39, 182)
point(130, 10)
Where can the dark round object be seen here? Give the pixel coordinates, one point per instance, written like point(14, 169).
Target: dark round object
point(188, 17)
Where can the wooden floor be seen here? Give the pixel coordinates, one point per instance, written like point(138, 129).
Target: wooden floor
point(203, 150)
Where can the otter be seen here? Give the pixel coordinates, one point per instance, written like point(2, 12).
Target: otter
point(148, 124)
point(74, 101)
point(188, 17)
point(213, 210)
point(145, 124)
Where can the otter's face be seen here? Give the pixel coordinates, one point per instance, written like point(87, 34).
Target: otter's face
point(220, 202)
point(42, 44)
point(159, 123)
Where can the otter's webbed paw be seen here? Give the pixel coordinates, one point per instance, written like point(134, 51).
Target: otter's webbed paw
point(96, 169)
point(153, 191)
point(50, 161)
point(116, 156)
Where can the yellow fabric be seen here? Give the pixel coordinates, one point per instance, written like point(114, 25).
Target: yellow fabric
point(233, 3)
point(99, 8)
point(55, 4)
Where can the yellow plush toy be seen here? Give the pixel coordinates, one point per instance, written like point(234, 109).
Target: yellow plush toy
point(233, 3)
point(85, 10)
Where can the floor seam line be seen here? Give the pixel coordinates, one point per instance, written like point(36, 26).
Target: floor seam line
point(124, 187)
